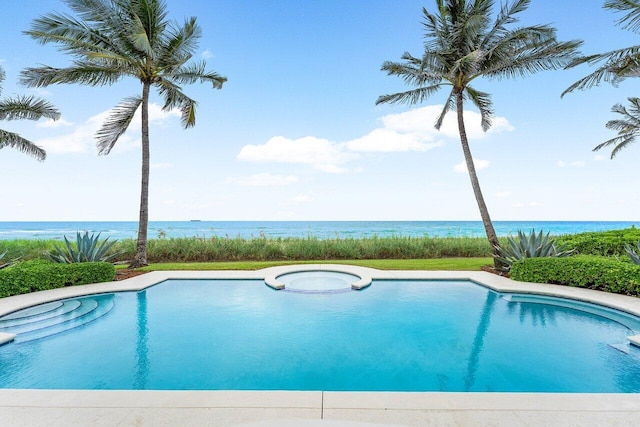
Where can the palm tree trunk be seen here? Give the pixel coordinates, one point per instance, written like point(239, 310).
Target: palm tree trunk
point(475, 184)
point(140, 259)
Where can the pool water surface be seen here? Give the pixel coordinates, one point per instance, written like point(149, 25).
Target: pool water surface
point(398, 335)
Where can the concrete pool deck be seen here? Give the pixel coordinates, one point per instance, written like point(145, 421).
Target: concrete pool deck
point(316, 408)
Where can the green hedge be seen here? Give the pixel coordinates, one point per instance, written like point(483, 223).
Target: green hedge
point(40, 275)
point(605, 243)
point(583, 271)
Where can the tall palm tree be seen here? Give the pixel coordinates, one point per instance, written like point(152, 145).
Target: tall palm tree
point(113, 39)
point(615, 66)
point(24, 108)
point(463, 43)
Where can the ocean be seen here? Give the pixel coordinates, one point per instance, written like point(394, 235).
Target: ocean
point(318, 229)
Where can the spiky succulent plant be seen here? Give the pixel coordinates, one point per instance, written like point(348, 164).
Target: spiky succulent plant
point(535, 245)
point(633, 255)
point(88, 248)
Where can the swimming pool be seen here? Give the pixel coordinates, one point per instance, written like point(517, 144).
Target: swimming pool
point(395, 335)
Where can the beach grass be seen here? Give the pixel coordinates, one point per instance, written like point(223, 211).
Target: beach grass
point(466, 264)
point(225, 249)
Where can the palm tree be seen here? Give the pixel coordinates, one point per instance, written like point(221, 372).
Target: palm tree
point(462, 43)
point(616, 66)
point(113, 39)
point(24, 108)
point(628, 126)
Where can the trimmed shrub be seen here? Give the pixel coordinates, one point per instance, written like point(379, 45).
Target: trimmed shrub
point(40, 275)
point(605, 243)
point(583, 271)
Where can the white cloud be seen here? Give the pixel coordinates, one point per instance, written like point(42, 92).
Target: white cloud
point(599, 157)
point(388, 140)
point(409, 131)
point(479, 164)
point(503, 194)
point(207, 54)
point(82, 138)
point(52, 124)
point(265, 180)
point(423, 119)
point(324, 155)
point(561, 164)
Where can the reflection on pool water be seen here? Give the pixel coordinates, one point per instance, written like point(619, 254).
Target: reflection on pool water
point(392, 336)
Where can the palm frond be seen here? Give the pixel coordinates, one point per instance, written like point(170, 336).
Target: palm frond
point(2, 76)
point(632, 19)
point(81, 73)
point(448, 106)
point(175, 98)
point(181, 41)
point(153, 18)
point(521, 55)
point(628, 127)
point(413, 71)
point(140, 39)
point(482, 100)
point(196, 72)
point(616, 67)
point(116, 124)
point(27, 107)
point(13, 140)
point(78, 37)
point(413, 96)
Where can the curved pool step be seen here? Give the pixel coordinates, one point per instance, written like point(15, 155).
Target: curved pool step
point(31, 315)
point(31, 325)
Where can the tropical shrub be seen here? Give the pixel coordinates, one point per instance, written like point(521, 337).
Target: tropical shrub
point(532, 246)
point(605, 243)
point(39, 275)
point(583, 271)
point(88, 248)
point(633, 255)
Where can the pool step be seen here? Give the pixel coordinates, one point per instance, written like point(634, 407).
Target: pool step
point(38, 313)
point(54, 318)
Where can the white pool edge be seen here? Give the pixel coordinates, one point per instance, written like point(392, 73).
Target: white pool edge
point(309, 408)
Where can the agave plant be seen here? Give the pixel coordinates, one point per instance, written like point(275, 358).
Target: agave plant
point(88, 248)
point(2, 263)
point(633, 255)
point(531, 246)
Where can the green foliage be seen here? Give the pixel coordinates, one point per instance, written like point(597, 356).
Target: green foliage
point(87, 249)
point(311, 248)
point(583, 271)
point(605, 243)
point(39, 275)
point(197, 249)
point(633, 255)
point(461, 264)
point(532, 246)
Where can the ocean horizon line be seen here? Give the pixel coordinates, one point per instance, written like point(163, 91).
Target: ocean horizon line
point(57, 230)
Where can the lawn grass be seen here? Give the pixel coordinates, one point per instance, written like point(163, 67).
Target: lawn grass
point(466, 264)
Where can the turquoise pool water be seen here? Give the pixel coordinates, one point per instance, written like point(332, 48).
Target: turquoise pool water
point(392, 336)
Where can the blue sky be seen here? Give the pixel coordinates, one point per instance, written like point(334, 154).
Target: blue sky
point(295, 133)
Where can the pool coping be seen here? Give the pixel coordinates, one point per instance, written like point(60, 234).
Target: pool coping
point(311, 408)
